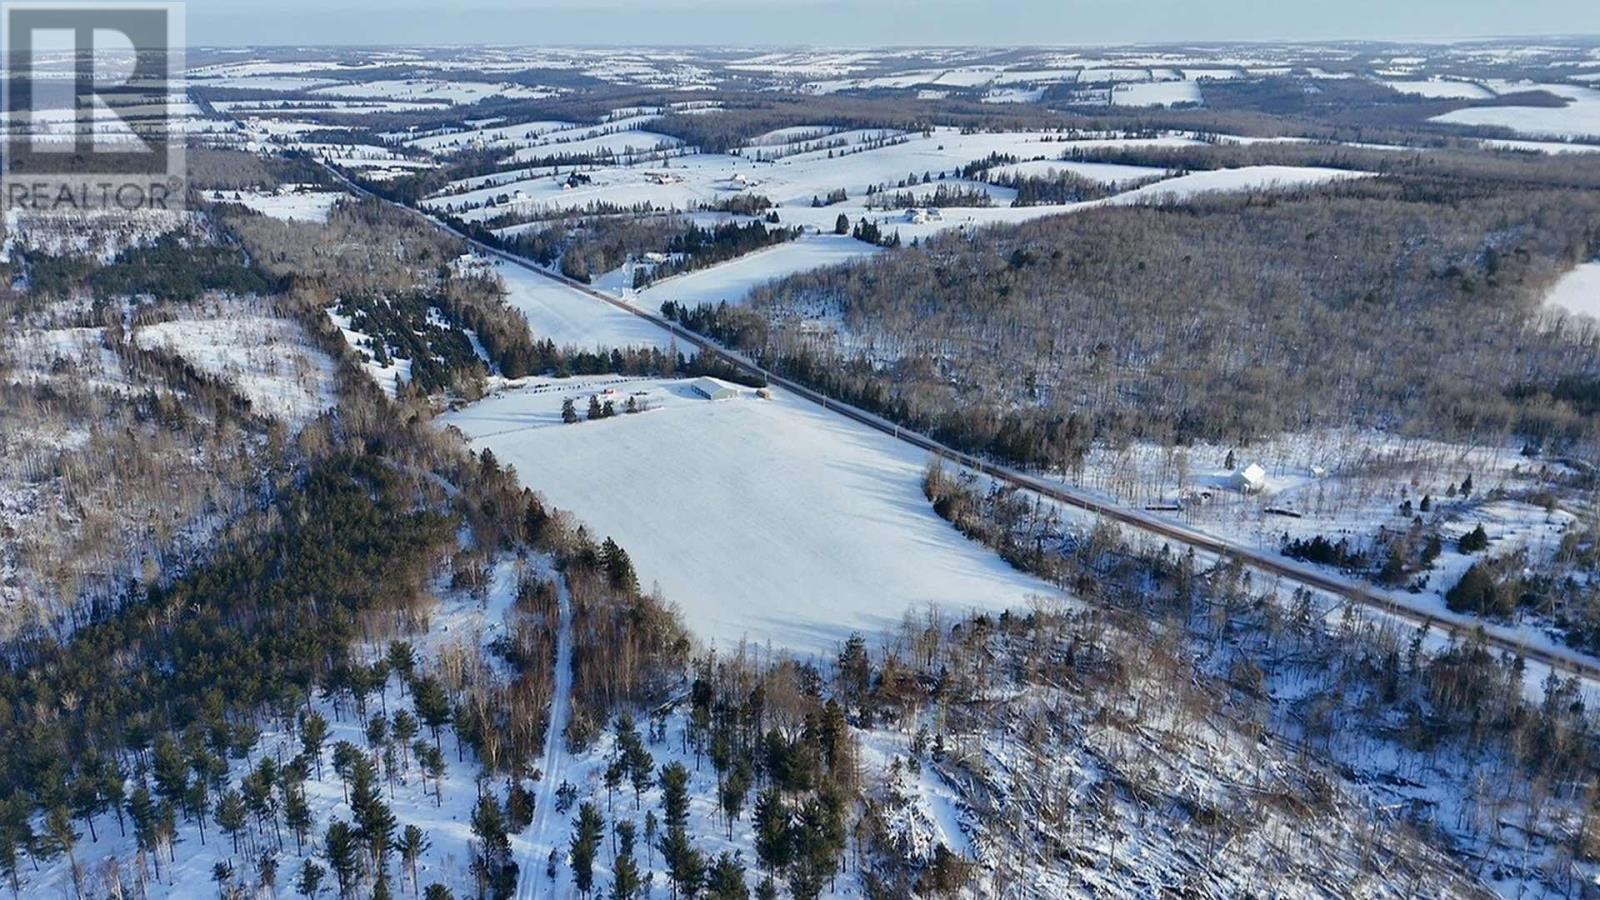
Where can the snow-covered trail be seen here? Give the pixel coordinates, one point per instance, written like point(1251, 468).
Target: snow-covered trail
point(548, 828)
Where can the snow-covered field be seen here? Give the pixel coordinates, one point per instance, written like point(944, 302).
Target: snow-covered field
point(1579, 118)
point(790, 181)
point(1578, 291)
point(291, 203)
point(732, 281)
point(1156, 93)
point(1245, 178)
point(1108, 173)
point(1439, 89)
point(766, 520)
point(270, 361)
point(571, 318)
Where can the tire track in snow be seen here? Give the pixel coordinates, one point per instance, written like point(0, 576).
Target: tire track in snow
point(545, 833)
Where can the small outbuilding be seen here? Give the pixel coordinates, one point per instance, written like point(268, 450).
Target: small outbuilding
point(712, 389)
point(1251, 479)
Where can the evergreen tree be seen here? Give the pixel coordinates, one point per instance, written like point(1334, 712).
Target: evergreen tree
point(341, 848)
point(313, 734)
point(626, 882)
point(310, 881)
point(674, 783)
point(413, 843)
point(841, 225)
point(569, 411)
point(588, 830)
point(433, 707)
point(1474, 541)
point(594, 411)
point(685, 865)
point(726, 880)
point(231, 816)
point(770, 820)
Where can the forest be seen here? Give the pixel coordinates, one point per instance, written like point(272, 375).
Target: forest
point(1392, 302)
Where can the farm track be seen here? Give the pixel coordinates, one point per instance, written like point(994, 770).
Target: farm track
point(1461, 627)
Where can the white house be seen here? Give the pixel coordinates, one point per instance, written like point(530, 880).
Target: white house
point(712, 389)
point(1250, 480)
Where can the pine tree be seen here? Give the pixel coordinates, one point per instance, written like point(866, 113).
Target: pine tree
point(313, 733)
point(841, 225)
point(594, 411)
point(569, 411)
point(588, 830)
point(674, 783)
point(310, 881)
point(726, 880)
point(685, 865)
point(413, 843)
point(339, 846)
point(231, 816)
point(626, 882)
point(770, 819)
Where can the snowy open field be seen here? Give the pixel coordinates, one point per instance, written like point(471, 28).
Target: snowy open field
point(790, 181)
point(732, 281)
point(571, 318)
point(291, 204)
point(270, 361)
point(1439, 89)
point(1578, 291)
point(767, 520)
point(1579, 118)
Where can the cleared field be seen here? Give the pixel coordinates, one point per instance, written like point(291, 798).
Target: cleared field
point(572, 319)
point(733, 281)
point(771, 521)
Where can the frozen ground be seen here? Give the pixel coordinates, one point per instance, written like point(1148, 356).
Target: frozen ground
point(791, 181)
point(766, 520)
point(1157, 93)
point(1440, 89)
point(1108, 173)
point(571, 318)
point(732, 281)
point(1579, 118)
point(268, 360)
point(1578, 291)
point(291, 203)
point(1253, 178)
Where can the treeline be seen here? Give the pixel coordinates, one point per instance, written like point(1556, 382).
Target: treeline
point(1450, 169)
point(699, 248)
point(1054, 188)
point(169, 268)
point(588, 247)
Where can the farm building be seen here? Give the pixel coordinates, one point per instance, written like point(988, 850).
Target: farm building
point(1250, 480)
point(712, 389)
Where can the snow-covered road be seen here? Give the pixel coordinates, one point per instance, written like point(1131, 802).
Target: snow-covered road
point(548, 829)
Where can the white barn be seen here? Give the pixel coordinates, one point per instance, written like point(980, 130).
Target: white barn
point(712, 389)
point(1251, 479)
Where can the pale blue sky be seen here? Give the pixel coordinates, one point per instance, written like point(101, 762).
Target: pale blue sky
point(869, 22)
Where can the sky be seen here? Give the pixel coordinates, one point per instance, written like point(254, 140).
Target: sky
point(870, 22)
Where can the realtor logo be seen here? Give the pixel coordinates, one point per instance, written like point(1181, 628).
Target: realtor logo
point(89, 94)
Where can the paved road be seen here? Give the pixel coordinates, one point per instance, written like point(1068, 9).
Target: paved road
point(1559, 658)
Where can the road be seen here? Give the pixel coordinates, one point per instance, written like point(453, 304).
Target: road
point(1463, 627)
point(548, 830)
